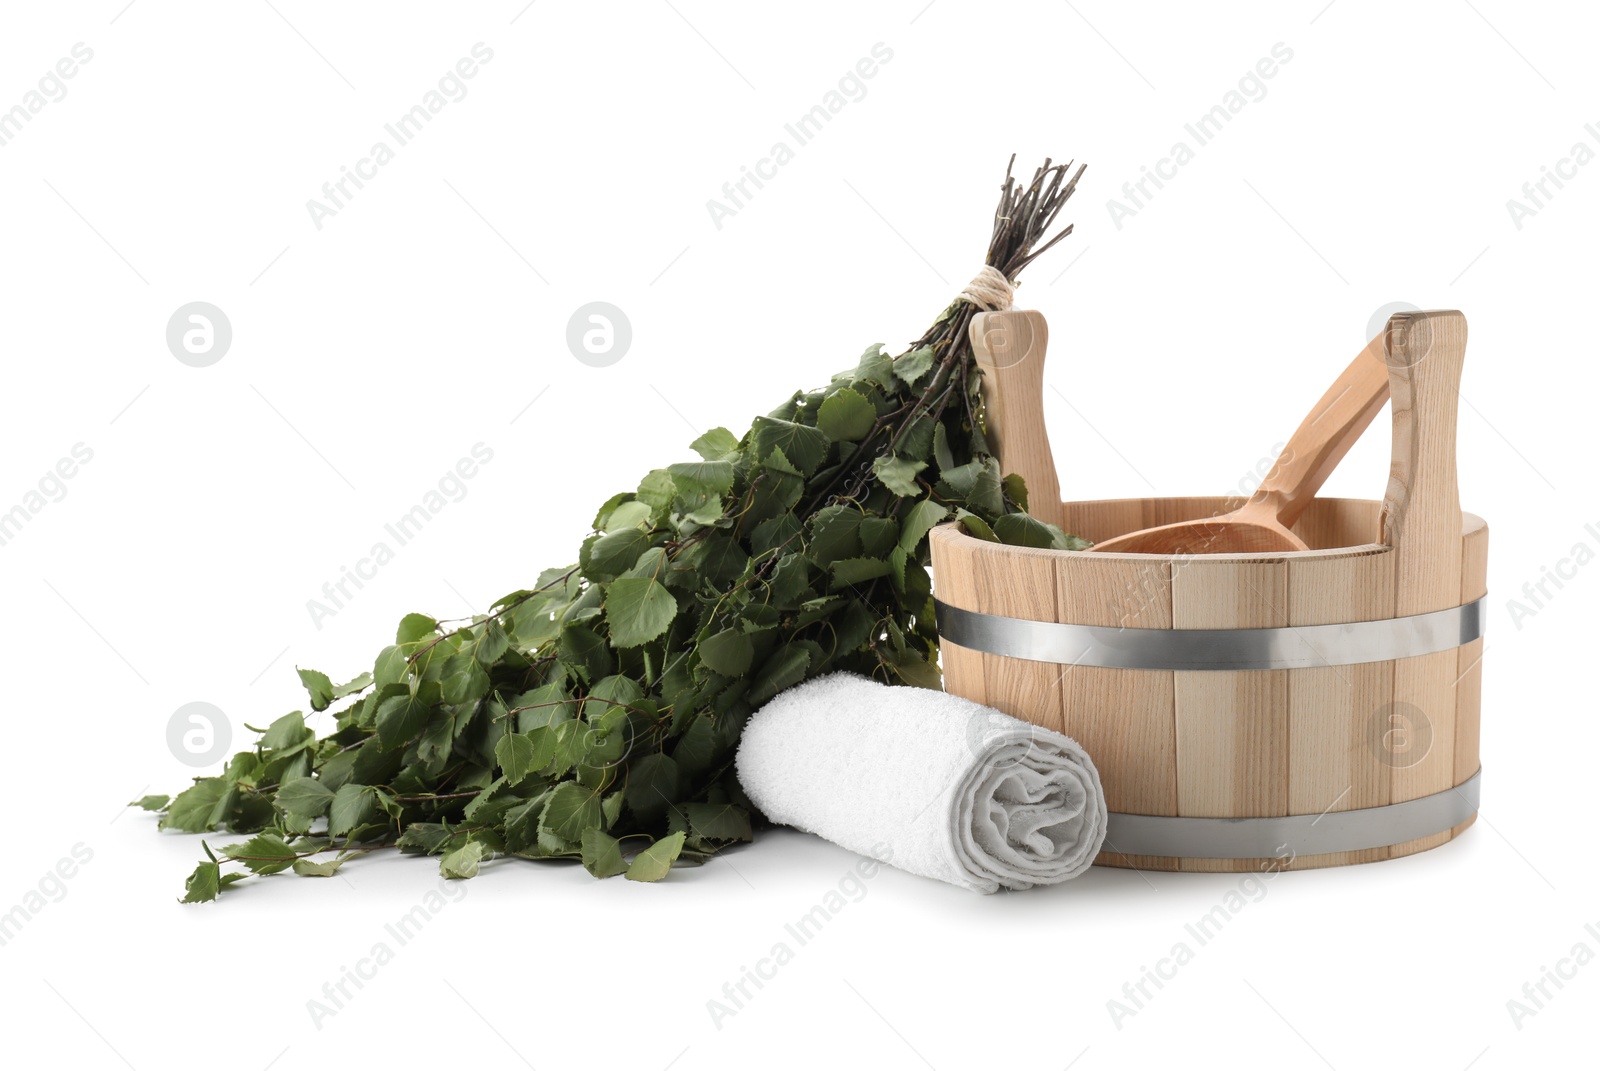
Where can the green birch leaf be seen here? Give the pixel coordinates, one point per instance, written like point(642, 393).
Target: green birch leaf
point(638, 609)
point(571, 809)
point(700, 488)
point(779, 462)
point(899, 474)
point(1016, 489)
point(919, 672)
point(846, 416)
point(602, 854)
point(583, 650)
point(463, 680)
point(351, 687)
point(958, 480)
point(696, 750)
point(391, 667)
point(919, 522)
point(718, 444)
point(352, 806)
point(790, 584)
point(852, 571)
point(654, 783)
point(610, 692)
point(786, 667)
point(878, 536)
point(656, 489)
point(492, 644)
point(564, 743)
point(1067, 541)
point(875, 367)
point(414, 628)
point(401, 717)
point(200, 807)
point(897, 569)
point(802, 447)
point(915, 441)
point(651, 564)
point(976, 526)
point(835, 534)
point(305, 797)
point(654, 862)
point(774, 493)
point(424, 838)
point(264, 853)
point(516, 753)
point(718, 821)
point(309, 868)
point(942, 455)
point(318, 687)
point(463, 862)
point(728, 652)
point(1021, 530)
point(713, 478)
point(628, 515)
point(489, 804)
point(544, 705)
point(602, 516)
point(775, 534)
point(202, 885)
point(287, 735)
point(522, 824)
point(985, 496)
point(611, 809)
point(910, 367)
point(615, 552)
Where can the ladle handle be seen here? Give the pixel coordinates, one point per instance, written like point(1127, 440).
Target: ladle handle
point(1326, 435)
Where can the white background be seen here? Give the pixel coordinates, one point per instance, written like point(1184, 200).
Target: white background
point(426, 316)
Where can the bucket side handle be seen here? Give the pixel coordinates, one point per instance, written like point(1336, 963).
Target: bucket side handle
point(1010, 348)
point(1421, 515)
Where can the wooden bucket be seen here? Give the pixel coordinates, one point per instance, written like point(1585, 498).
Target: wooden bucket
point(1292, 710)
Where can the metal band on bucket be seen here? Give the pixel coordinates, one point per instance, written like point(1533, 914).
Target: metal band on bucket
point(1303, 834)
point(1294, 647)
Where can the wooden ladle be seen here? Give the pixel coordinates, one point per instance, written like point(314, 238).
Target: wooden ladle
point(1262, 524)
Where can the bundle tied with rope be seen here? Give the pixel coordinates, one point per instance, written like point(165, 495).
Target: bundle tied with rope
point(989, 290)
point(594, 715)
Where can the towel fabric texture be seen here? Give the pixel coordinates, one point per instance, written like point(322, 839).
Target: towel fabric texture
point(925, 781)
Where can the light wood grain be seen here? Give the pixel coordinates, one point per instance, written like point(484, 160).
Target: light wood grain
point(1327, 524)
point(1122, 717)
point(1020, 582)
point(1421, 508)
point(1339, 522)
point(1332, 765)
point(1469, 668)
point(1328, 719)
point(1422, 520)
point(1232, 726)
point(1103, 519)
point(1412, 847)
point(955, 578)
point(1010, 348)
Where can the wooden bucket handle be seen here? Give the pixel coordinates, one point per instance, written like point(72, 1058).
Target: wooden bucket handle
point(1421, 515)
point(1010, 348)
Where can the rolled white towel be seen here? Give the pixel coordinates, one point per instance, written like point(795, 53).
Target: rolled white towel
point(926, 781)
